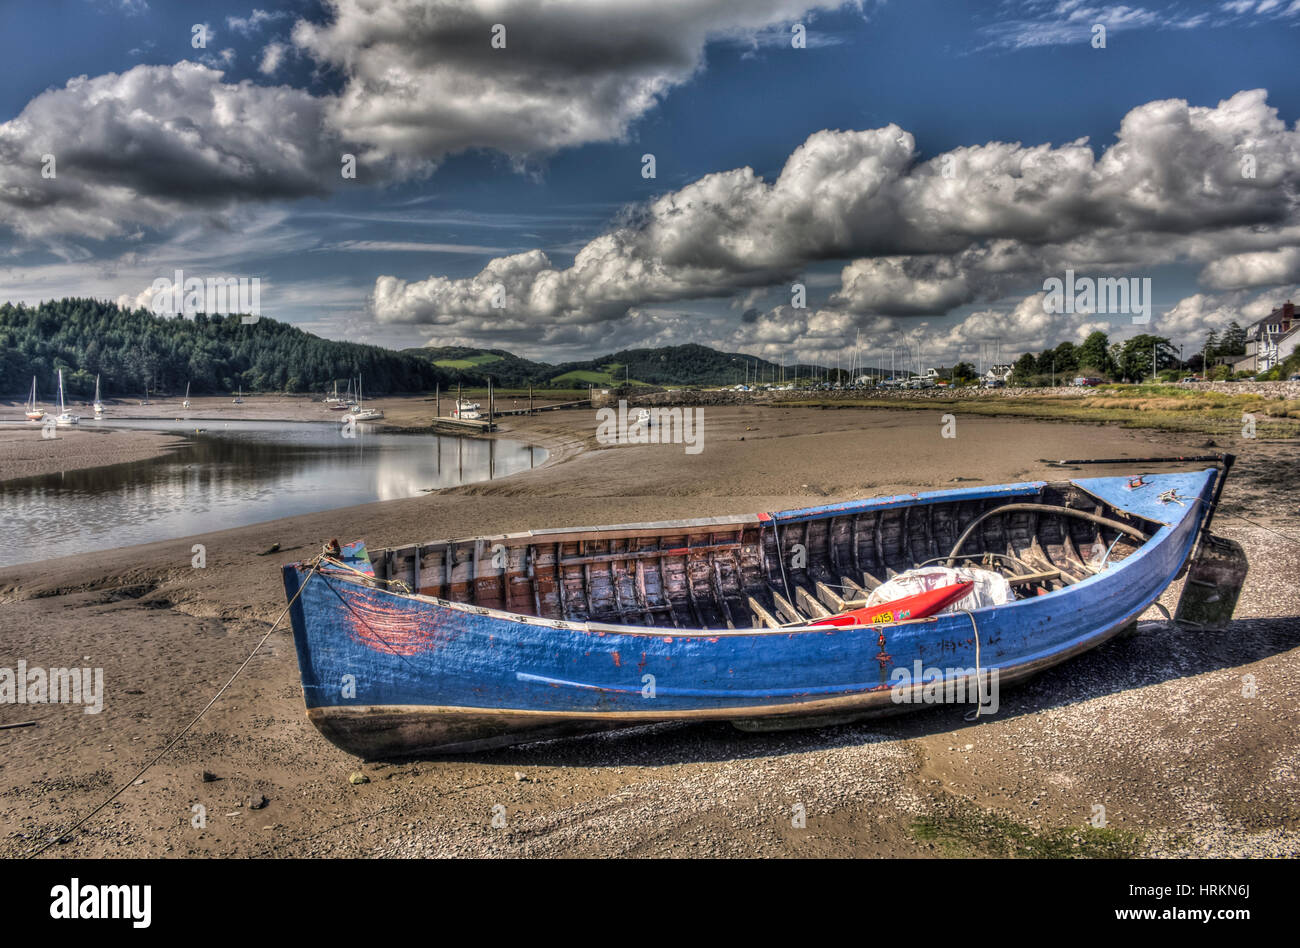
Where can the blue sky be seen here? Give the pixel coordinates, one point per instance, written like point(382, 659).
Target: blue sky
point(454, 175)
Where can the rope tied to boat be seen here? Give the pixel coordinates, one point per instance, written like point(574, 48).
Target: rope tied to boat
point(974, 715)
point(315, 567)
point(780, 556)
point(339, 564)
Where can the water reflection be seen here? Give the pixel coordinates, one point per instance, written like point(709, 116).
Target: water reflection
point(233, 474)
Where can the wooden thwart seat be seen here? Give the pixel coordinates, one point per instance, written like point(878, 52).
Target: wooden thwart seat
point(810, 604)
point(762, 616)
point(785, 608)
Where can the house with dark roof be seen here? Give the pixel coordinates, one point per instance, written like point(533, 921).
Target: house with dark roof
point(1270, 340)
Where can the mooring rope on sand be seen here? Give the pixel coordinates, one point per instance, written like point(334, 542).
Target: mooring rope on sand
point(177, 739)
point(1260, 526)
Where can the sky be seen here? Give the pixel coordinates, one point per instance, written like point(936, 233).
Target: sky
point(903, 178)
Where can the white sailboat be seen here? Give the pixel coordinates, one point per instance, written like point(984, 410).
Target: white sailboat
point(34, 413)
point(65, 417)
point(186, 403)
point(239, 396)
point(336, 403)
point(99, 406)
point(360, 412)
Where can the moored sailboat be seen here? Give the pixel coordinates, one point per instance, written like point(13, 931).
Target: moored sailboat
point(65, 418)
point(360, 412)
point(345, 403)
point(98, 405)
point(34, 413)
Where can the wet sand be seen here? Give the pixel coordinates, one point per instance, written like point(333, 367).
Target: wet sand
point(26, 452)
point(1152, 727)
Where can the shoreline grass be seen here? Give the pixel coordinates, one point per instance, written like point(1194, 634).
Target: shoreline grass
point(1158, 407)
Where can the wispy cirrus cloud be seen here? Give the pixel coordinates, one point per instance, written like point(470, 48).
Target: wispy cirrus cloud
point(1028, 24)
point(410, 246)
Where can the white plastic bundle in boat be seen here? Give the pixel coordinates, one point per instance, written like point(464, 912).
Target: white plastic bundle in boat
point(990, 589)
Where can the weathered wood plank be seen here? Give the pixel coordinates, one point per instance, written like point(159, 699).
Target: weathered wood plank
point(646, 554)
point(808, 602)
point(785, 608)
point(763, 616)
point(859, 592)
point(829, 597)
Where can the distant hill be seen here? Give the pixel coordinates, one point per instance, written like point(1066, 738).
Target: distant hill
point(665, 366)
point(473, 366)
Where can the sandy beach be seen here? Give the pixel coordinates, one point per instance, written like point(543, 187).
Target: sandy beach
point(1154, 727)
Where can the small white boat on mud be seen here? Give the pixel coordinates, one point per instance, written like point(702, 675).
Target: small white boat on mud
point(361, 413)
point(65, 418)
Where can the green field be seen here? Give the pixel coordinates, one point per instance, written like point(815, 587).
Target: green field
point(609, 375)
point(473, 362)
point(1163, 407)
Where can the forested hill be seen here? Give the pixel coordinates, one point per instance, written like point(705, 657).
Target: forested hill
point(132, 349)
point(664, 366)
point(678, 365)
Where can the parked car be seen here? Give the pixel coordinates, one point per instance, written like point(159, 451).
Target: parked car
point(1085, 381)
point(1190, 378)
point(994, 383)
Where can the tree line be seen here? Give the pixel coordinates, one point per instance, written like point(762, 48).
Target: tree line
point(135, 351)
point(1135, 359)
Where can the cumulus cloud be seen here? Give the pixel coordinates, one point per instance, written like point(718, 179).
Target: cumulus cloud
point(248, 25)
point(418, 80)
point(424, 80)
point(1193, 317)
point(272, 57)
point(1254, 269)
point(787, 335)
point(967, 226)
point(155, 142)
point(919, 285)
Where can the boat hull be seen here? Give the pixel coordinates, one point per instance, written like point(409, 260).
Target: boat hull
point(388, 674)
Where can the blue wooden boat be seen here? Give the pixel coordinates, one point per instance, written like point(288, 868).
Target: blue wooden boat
point(469, 644)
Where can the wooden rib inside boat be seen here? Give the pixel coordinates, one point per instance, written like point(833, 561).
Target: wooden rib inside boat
point(749, 572)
